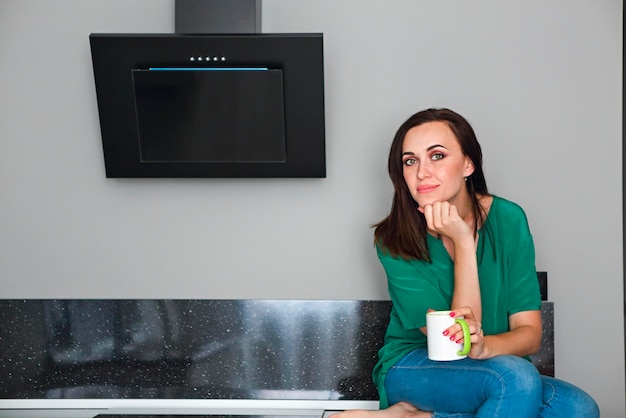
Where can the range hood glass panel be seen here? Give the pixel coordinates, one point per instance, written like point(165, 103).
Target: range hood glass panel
point(210, 114)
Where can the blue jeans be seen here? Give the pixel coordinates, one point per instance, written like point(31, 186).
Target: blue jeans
point(503, 386)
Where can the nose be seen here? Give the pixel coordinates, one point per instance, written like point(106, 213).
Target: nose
point(423, 170)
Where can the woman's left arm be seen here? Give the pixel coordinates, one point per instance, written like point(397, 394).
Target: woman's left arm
point(523, 339)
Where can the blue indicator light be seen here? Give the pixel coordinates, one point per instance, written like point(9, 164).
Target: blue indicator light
point(209, 69)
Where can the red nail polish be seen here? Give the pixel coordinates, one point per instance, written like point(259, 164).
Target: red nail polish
point(446, 332)
point(452, 338)
point(452, 313)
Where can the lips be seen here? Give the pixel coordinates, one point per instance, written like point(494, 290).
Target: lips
point(426, 188)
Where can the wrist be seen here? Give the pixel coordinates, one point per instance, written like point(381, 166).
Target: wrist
point(464, 243)
point(486, 351)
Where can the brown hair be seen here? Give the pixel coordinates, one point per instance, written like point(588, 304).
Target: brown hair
point(403, 232)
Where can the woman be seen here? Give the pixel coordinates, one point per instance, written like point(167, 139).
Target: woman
point(448, 244)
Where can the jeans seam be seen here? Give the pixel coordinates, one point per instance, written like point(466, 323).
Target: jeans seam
point(553, 392)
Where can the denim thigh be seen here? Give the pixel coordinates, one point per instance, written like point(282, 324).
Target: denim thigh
point(500, 386)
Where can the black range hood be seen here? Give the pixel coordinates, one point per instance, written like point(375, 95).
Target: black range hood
point(211, 105)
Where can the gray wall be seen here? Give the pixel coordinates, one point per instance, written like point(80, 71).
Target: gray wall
point(540, 81)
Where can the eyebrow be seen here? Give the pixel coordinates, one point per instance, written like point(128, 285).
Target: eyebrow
point(427, 149)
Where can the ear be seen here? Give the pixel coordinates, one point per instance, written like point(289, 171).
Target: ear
point(469, 167)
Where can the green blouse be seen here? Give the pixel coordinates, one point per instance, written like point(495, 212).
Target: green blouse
point(508, 284)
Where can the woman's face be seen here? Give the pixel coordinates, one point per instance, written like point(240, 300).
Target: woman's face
point(434, 165)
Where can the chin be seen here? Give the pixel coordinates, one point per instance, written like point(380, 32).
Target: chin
point(423, 202)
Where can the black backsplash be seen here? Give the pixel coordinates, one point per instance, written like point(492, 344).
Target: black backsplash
point(199, 349)
point(189, 349)
point(543, 284)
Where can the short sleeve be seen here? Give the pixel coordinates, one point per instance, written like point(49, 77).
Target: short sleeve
point(524, 293)
point(413, 289)
point(523, 286)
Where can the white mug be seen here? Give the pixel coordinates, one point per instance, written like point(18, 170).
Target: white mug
point(440, 347)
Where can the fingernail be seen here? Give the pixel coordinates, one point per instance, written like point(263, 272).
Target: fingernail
point(452, 313)
point(446, 332)
point(452, 338)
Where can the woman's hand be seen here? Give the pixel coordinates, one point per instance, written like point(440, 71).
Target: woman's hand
point(477, 336)
point(523, 339)
point(443, 218)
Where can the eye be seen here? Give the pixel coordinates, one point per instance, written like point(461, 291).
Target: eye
point(410, 161)
point(437, 156)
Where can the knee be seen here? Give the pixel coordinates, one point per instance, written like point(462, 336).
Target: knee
point(592, 409)
point(560, 397)
point(587, 407)
point(519, 376)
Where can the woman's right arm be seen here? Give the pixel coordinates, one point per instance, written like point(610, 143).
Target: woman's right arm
point(443, 218)
point(523, 339)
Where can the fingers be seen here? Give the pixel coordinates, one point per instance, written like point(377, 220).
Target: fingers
point(433, 214)
point(441, 217)
point(464, 311)
point(428, 214)
point(477, 336)
point(439, 213)
point(455, 333)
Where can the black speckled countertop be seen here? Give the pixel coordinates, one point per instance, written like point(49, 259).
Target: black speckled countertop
point(198, 349)
point(189, 349)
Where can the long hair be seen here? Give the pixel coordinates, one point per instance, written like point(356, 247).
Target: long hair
point(403, 232)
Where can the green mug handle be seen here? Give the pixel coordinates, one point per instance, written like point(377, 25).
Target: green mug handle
point(467, 343)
